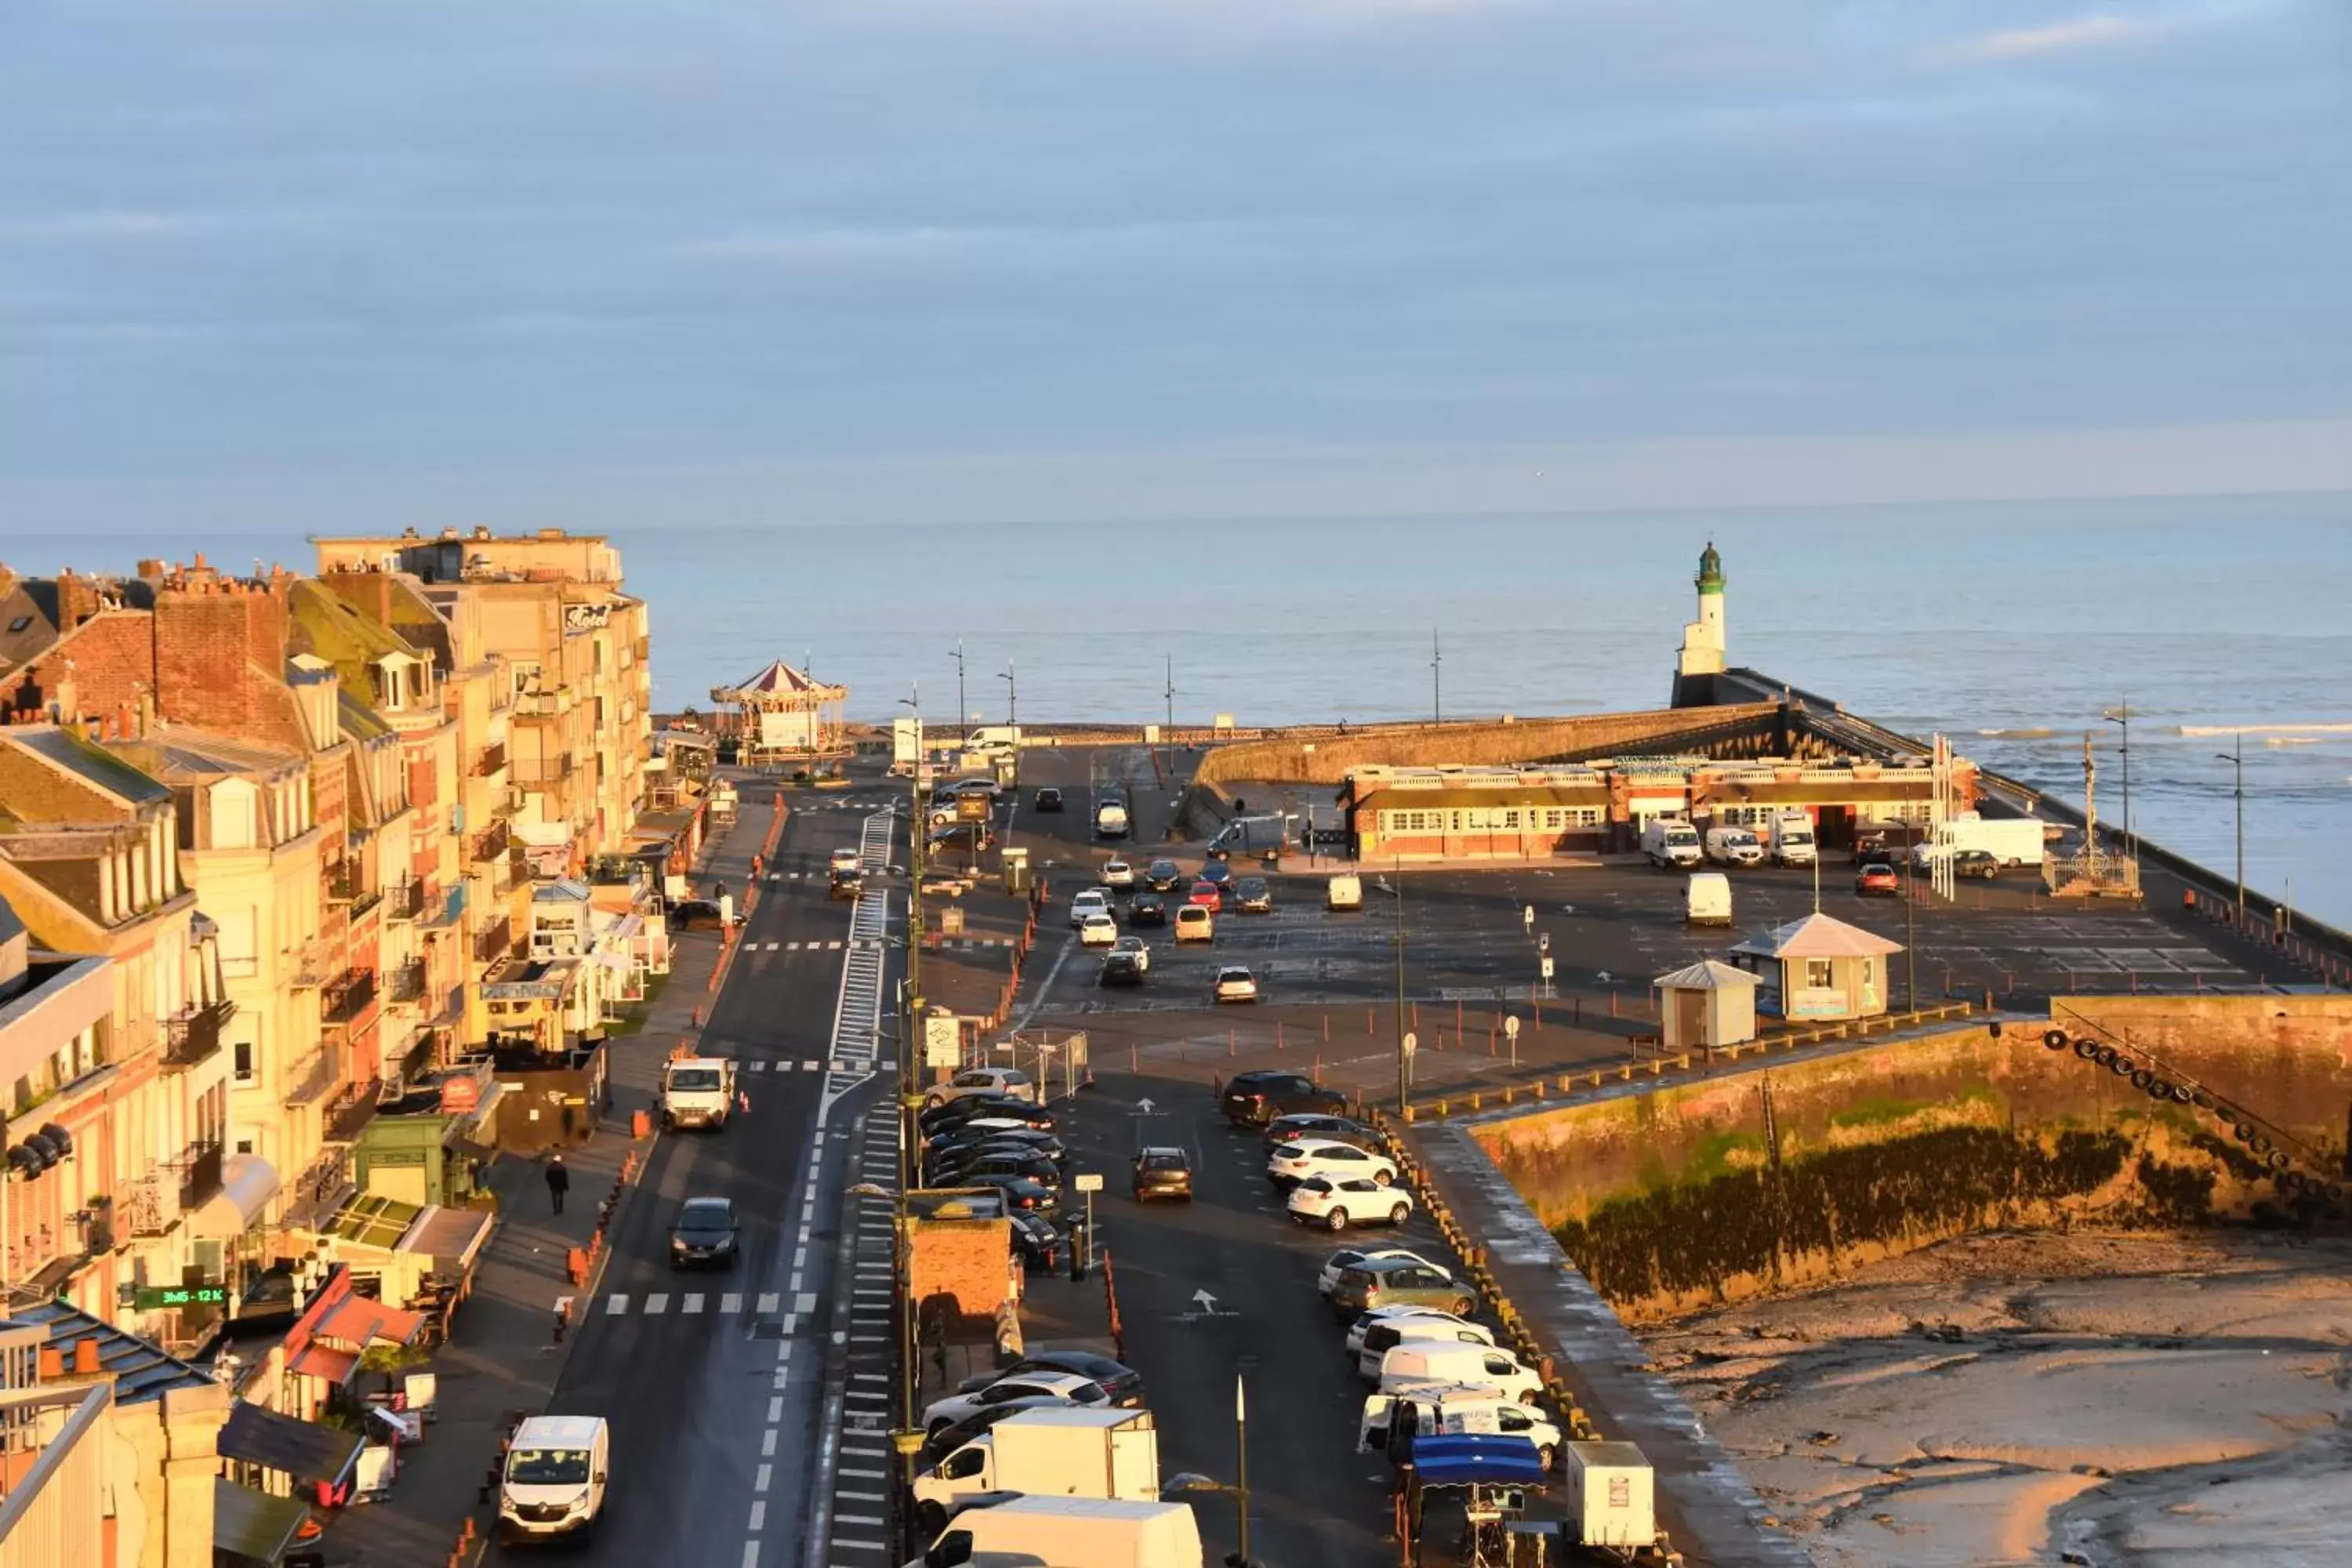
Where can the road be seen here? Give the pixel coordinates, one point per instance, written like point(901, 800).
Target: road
point(715, 1383)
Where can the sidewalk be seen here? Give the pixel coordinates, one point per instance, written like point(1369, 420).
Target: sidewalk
point(502, 1359)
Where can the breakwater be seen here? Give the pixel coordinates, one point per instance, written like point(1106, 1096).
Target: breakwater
point(1692, 1195)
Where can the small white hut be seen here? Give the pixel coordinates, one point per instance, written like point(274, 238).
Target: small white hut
point(1706, 1005)
point(1818, 968)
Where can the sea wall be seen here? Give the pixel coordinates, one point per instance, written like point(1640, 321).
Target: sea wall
point(1325, 758)
point(1692, 1195)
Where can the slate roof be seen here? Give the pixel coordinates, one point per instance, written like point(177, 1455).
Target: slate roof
point(141, 1370)
point(89, 762)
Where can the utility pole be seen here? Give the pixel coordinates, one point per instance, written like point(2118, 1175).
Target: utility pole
point(1436, 687)
point(1404, 1056)
point(1012, 696)
point(2122, 716)
point(2237, 760)
point(1168, 735)
point(963, 714)
point(910, 1011)
point(1241, 1461)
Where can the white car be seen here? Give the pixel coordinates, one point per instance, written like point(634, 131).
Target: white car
point(1235, 984)
point(980, 1080)
point(1066, 1386)
point(1134, 945)
point(1324, 1157)
point(1099, 929)
point(846, 859)
point(1438, 1317)
point(1092, 901)
point(1348, 1255)
point(1119, 876)
point(1338, 1202)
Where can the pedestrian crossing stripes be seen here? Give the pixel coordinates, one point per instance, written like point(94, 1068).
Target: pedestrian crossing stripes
point(812, 945)
point(700, 1303)
point(762, 1065)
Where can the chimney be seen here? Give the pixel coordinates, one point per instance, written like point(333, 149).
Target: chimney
point(52, 1363)
point(86, 1357)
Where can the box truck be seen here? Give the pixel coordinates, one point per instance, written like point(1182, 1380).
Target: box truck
point(1670, 841)
point(1247, 835)
point(2012, 840)
point(1069, 1533)
point(1078, 1451)
point(1792, 839)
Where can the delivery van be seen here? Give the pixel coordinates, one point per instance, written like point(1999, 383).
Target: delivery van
point(1730, 846)
point(552, 1485)
point(1445, 1361)
point(1792, 839)
point(1346, 892)
point(1082, 1532)
point(1708, 901)
point(1391, 1421)
point(1069, 1451)
point(1110, 818)
point(1670, 841)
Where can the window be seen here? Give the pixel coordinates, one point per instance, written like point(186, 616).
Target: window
point(19, 623)
point(1870, 975)
point(1821, 974)
point(245, 1064)
point(245, 1145)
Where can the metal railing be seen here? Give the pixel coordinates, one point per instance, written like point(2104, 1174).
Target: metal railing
point(152, 1204)
point(192, 1036)
point(406, 982)
point(314, 1076)
point(492, 943)
point(540, 770)
point(493, 842)
point(405, 901)
point(348, 996)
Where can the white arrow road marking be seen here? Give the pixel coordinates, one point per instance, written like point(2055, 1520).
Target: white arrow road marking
point(1144, 1108)
point(1208, 1302)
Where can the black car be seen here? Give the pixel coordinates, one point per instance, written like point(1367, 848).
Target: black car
point(1036, 1241)
point(1001, 1162)
point(1020, 1192)
point(963, 1158)
point(1218, 875)
point(704, 1235)
point(1316, 1124)
point(1254, 1099)
point(1120, 969)
point(1027, 1137)
point(949, 1438)
point(1048, 799)
point(1163, 876)
point(1982, 864)
point(696, 914)
point(1253, 897)
point(1121, 1382)
point(998, 1106)
point(1148, 910)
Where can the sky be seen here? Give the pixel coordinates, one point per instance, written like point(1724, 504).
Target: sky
point(269, 263)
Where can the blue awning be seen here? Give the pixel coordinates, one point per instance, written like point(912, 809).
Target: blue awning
point(1476, 1458)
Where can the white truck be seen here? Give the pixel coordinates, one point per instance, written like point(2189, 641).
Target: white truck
point(1730, 846)
point(1078, 1451)
point(1792, 840)
point(2012, 840)
point(992, 738)
point(1670, 841)
point(698, 1091)
point(1069, 1533)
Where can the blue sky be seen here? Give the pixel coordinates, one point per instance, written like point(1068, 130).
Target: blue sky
point(275, 263)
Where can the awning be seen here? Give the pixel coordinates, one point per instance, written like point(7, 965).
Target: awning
point(357, 1320)
point(303, 1450)
point(248, 1184)
point(325, 1361)
point(1477, 1459)
point(452, 1239)
point(251, 1527)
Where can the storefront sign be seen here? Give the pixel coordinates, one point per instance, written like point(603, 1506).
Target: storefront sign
point(163, 1298)
point(460, 1096)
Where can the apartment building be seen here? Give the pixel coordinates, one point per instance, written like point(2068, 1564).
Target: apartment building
point(550, 607)
point(113, 1018)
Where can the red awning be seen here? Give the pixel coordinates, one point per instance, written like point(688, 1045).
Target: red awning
point(356, 1320)
point(325, 1361)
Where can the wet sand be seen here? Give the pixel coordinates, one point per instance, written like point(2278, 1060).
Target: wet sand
point(2006, 1399)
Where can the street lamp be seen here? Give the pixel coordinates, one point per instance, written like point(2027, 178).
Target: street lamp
point(1012, 696)
point(960, 708)
point(1192, 1481)
point(1436, 671)
point(1405, 1040)
point(2122, 716)
point(2237, 761)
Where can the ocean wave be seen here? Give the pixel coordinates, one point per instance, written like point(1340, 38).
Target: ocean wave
point(2016, 734)
point(2324, 729)
point(2290, 739)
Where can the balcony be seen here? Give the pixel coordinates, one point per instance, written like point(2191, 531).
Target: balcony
point(306, 965)
point(537, 704)
point(194, 1037)
point(405, 901)
point(491, 843)
point(347, 997)
point(493, 760)
point(406, 982)
point(313, 1076)
point(542, 770)
point(154, 1204)
point(492, 943)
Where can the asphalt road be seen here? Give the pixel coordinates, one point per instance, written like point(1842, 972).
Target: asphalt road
point(715, 1381)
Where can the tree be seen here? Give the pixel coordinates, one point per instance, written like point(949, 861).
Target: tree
point(391, 1360)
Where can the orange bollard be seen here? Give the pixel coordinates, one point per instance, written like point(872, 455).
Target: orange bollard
point(1277, 1034)
point(575, 1266)
point(1327, 1028)
point(640, 1125)
point(1233, 1042)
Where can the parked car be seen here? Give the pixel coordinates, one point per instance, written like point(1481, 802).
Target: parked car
point(1406, 1279)
point(1119, 876)
point(1011, 1083)
point(1981, 864)
point(1347, 1255)
point(1148, 910)
point(1316, 1125)
point(971, 1165)
point(1451, 1328)
point(1877, 880)
point(1235, 984)
point(1254, 1099)
point(1361, 1329)
point(971, 1107)
point(696, 914)
point(1294, 1163)
point(1206, 895)
point(704, 1234)
point(1047, 799)
point(1163, 876)
point(1036, 1240)
point(945, 1440)
point(1339, 1202)
point(1119, 969)
point(1252, 896)
point(1068, 1387)
point(1122, 1383)
point(1099, 930)
point(1020, 1192)
point(1087, 901)
point(1163, 1173)
point(992, 1134)
point(1195, 923)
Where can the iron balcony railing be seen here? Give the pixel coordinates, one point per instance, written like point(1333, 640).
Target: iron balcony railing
point(405, 901)
point(193, 1037)
point(493, 841)
point(407, 982)
point(491, 944)
point(348, 996)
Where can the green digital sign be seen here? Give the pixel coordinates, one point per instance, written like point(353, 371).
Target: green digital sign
point(162, 1298)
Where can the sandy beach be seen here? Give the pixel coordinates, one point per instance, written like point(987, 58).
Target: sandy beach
point(2033, 1399)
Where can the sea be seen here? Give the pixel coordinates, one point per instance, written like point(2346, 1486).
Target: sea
point(2217, 623)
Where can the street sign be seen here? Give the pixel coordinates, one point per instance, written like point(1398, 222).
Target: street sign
point(163, 1298)
point(1412, 1044)
point(1547, 967)
point(942, 1040)
point(1511, 1028)
point(1087, 1182)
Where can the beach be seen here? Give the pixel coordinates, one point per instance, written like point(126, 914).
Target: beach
point(2029, 1399)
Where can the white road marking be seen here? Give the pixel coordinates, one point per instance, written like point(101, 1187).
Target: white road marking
point(806, 1303)
point(692, 1305)
point(615, 1305)
point(731, 1302)
point(656, 1304)
point(768, 1299)
point(761, 1477)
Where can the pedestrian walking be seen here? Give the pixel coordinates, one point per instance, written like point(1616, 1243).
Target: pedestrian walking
point(558, 1181)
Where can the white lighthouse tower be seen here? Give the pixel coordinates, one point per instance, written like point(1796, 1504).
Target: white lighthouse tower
point(1703, 647)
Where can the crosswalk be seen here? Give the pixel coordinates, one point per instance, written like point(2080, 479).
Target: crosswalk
point(710, 1303)
point(760, 1064)
point(860, 1530)
point(812, 945)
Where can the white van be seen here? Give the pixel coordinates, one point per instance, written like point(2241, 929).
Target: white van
point(1098, 1532)
point(993, 738)
point(552, 1484)
point(1708, 901)
point(1111, 819)
point(1391, 1421)
point(1734, 846)
point(1670, 841)
point(1346, 892)
point(1435, 1360)
point(1382, 1338)
point(1792, 839)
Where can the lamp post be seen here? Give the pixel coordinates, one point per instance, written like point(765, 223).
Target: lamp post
point(2122, 716)
point(1436, 671)
point(1241, 1460)
point(961, 709)
point(1012, 696)
point(1405, 1041)
point(2237, 760)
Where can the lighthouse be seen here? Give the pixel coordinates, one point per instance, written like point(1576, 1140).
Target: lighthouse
point(1702, 651)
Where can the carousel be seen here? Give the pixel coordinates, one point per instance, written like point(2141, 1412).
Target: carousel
point(785, 720)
